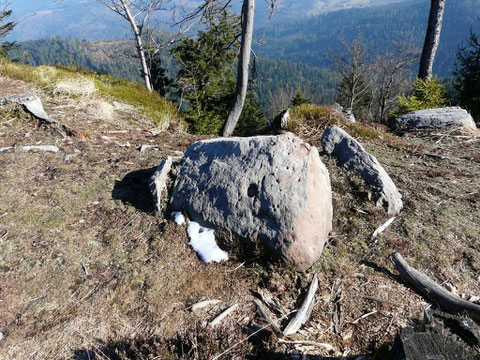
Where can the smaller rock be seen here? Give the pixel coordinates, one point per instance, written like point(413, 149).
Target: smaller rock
point(123, 106)
point(349, 115)
point(31, 103)
point(352, 156)
point(435, 118)
point(281, 120)
point(158, 182)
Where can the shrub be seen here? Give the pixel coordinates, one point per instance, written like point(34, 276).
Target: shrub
point(427, 94)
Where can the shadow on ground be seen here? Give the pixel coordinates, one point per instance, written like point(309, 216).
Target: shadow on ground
point(133, 190)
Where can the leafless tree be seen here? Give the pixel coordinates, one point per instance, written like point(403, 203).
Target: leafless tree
point(354, 67)
point(391, 71)
point(432, 39)
point(138, 13)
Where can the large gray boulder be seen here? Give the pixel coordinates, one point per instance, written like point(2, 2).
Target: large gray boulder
point(271, 188)
point(435, 118)
point(352, 156)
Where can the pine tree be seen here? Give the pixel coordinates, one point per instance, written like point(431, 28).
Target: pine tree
point(299, 99)
point(5, 27)
point(467, 75)
point(206, 80)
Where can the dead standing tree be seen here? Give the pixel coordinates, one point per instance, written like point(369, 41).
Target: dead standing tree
point(391, 69)
point(353, 67)
point(432, 39)
point(138, 13)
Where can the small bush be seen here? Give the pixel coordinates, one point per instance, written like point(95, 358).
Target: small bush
point(308, 118)
point(427, 94)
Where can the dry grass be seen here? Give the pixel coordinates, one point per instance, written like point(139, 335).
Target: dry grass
point(93, 207)
point(74, 87)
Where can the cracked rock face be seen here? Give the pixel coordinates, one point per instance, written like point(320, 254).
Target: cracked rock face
point(435, 118)
point(271, 188)
point(352, 156)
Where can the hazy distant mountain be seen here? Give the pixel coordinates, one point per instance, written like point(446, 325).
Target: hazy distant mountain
point(87, 19)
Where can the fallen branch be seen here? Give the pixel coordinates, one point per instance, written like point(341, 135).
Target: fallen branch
point(363, 317)
point(382, 228)
point(265, 316)
point(303, 314)
point(204, 304)
point(307, 343)
point(223, 315)
point(427, 287)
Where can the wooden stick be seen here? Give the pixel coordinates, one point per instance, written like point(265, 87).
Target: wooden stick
point(373, 298)
point(382, 228)
point(223, 315)
point(203, 304)
point(305, 310)
point(427, 287)
point(364, 316)
point(265, 316)
point(308, 343)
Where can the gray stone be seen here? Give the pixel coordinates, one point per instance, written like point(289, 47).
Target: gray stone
point(281, 120)
point(352, 156)
point(158, 182)
point(32, 104)
point(122, 106)
point(435, 118)
point(271, 188)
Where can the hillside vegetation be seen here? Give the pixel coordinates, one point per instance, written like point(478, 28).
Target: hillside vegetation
point(89, 270)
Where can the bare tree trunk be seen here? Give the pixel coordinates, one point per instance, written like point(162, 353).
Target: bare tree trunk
point(248, 13)
point(140, 49)
point(432, 39)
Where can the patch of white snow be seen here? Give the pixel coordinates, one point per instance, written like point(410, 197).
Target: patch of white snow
point(202, 240)
point(178, 218)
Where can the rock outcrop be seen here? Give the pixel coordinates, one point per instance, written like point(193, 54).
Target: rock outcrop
point(434, 118)
point(352, 156)
point(158, 182)
point(271, 188)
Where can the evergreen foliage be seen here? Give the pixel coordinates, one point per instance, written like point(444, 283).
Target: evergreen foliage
point(427, 94)
point(206, 78)
point(299, 98)
point(467, 75)
point(5, 27)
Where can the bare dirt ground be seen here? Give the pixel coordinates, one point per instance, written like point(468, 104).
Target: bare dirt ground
point(89, 270)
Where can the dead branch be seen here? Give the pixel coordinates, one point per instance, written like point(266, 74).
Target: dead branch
point(223, 315)
point(327, 347)
point(265, 316)
point(303, 314)
point(430, 289)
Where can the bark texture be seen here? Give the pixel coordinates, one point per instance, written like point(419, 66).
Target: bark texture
point(248, 13)
point(432, 39)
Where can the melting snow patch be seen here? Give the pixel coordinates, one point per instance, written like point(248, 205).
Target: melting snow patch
point(178, 218)
point(202, 240)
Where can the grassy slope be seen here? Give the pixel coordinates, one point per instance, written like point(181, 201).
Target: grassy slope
point(93, 207)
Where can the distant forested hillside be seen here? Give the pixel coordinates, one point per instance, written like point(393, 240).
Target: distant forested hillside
point(311, 41)
point(293, 55)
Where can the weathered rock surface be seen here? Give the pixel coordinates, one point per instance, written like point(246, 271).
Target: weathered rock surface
point(272, 188)
point(31, 103)
point(352, 156)
point(435, 118)
point(158, 182)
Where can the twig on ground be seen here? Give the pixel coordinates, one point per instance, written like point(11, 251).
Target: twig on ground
point(204, 304)
point(427, 287)
point(265, 316)
point(382, 228)
point(307, 343)
point(223, 315)
point(363, 317)
point(303, 314)
point(373, 298)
